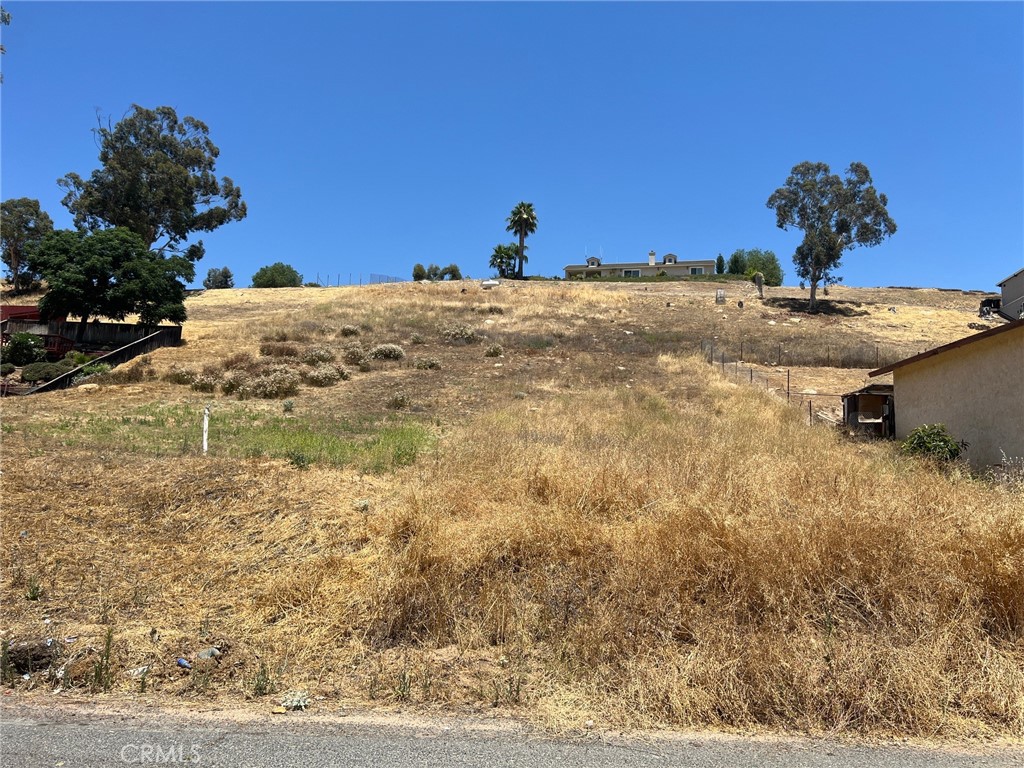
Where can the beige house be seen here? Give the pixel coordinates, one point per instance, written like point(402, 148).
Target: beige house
point(669, 264)
point(975, 386)
point(1012, 305)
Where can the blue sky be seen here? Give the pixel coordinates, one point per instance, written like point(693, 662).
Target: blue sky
point(368, 137)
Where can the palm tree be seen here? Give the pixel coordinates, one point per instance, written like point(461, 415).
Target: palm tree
point(522, 221)
point(504, 260)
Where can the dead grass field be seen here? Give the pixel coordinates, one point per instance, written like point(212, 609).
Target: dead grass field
point(590, 523)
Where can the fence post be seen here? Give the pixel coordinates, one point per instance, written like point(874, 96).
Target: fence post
point(828, 356)
point(751, 375)
point(206, 429)
point(810, 417)
point(876, 355)
point(741, 349)
point(787, 385)
point(779, 355)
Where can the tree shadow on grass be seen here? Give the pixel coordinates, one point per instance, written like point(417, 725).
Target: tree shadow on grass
point(832, 307)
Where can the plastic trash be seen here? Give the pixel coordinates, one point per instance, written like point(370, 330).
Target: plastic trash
point(183, 663)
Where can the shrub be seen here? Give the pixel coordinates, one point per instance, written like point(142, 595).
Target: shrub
point(349, 330)
point(428, 364)
point(140, 370)
point(78, 358)
point(354, 354)
point(237, 360)
point(461, 334)
point(183, 376)
point(276, 382)
point(386, 352)
point(417, 338)
point(288, 406)
point(933, 441)
point(323, 375)
point(205, 383)
point(279, 349)
point(286, 334)
point(42, 371)
point(94, 370)
point(494, 350)
point(23, 348)
point(6, 369)
point(494, 309)
point(398, 401)
point(234, 380)
point(315, 355)
point(277, 275)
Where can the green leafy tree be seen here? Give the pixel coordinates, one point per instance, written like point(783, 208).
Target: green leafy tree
point(503, 259)
point(737, 263)
point(277, 275)
point(835, 214)
point(720, 265)
point(433, 272)
point(110, 273)
point(756, 260)
point(419, 272)
point(24, 225)
point(5, 19)
point(156, 178)
point(523, 222)
point(451, 272)
point(219, 278)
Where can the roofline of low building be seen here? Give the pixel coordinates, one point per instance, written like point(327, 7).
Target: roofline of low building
point(1008, 279)
point(947, 347)
point(610, 264)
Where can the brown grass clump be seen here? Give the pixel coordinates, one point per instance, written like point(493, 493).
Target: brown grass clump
point(604, 525)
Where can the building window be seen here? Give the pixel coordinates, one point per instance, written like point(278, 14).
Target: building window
point(696, 270)
point(631, 273)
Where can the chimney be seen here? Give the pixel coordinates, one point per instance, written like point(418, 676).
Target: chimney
point(650, 259)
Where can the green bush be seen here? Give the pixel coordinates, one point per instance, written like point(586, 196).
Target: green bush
point(427, 364)
point(933, 441)
point(23, 348)
point(40, 372)
point(277, 275)
point(6, 369)
point(276, 382)
point(349, 330)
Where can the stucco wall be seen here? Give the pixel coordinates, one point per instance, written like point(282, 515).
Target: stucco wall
point(1013, 296)
point(976, 390)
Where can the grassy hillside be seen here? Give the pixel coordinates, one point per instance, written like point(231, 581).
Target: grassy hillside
point(550, 505)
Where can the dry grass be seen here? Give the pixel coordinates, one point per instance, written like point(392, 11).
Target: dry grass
point(605, 526)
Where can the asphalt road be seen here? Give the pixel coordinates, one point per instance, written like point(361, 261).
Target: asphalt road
point(36, 738)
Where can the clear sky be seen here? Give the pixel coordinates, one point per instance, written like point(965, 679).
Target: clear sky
point(368, 137)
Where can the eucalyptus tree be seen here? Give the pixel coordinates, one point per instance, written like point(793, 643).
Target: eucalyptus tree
point(836, 214)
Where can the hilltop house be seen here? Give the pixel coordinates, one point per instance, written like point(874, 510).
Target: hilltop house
point(1012, 304)
point(670, 265)
point(973, 386)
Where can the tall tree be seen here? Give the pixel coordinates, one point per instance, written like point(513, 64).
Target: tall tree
point(835, 214)
point(24, 224)
point(110, 273)
point(503, 259)
point(219, 278)
point(755, 260)
point(156, 178)
point(523, 222)
point(5, 19)
point(419, 272)
point(277, 275)
point(720, 265)
point(737, 263)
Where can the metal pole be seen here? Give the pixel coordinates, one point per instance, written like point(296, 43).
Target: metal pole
point(751, 375)
point(787, 384)
point(206, 429)
point(810, 418)
point(741, 349)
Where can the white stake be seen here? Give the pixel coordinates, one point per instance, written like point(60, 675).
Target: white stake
point(206, 429)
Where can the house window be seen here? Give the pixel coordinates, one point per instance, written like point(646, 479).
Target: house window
point(696, 270)
point(631, 273)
